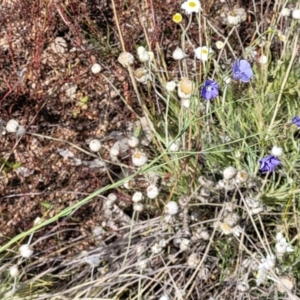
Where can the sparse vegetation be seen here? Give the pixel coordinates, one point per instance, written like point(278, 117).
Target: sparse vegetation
point(150, 150)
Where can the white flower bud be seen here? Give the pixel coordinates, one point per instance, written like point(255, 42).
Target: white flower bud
point(96, 68)
point(138, 207)
point(178, 54)
point(12, 126)
point(296, 14)
point(164, 297)
point(25, 251)
point(170, 86)
point(143, 54)
point(174, 146)
point(171, 208)
point(137, 197)
point(227, 80)
point(114, 151)
point(219, 45)
point(95, 145)
point(139, 158)
point(133, 142)
point(276, 151)
point(285, 12)
point(263, 60)
point(229, 173)
point(37, 221)
point(152, 191)
point(14, 271)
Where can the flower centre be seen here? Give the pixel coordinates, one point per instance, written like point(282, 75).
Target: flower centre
point(192, 4)
point(209, 88)
point(137, 155)
point(204, 51)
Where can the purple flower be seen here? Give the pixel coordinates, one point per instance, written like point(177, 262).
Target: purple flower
point(210, 90)
point(296, 121)
point(242, 70)
point(269, 163)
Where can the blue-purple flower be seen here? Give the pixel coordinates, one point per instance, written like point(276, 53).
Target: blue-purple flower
point(242, 70)
point(296, 121)
point(210, 90)
point(269, 163)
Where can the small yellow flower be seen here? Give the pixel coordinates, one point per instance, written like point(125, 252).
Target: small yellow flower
point(177, 18)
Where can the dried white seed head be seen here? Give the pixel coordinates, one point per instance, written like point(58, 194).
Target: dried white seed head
point(171, 208)
point(140, 249)
point(128, 184)
point(93, 260)
point(98, 231)
point(95, 145)
point(133, 142)
point(296, 14)
point(25, 251)
point(204, 235)
point(14, 271)
point(253, 203)
point(171, 86)
point(112, 197)
point(241, 177)
point(137, 197)
point(243, 286)
point(232, 219)
point(178, 54)
point(156, 248)
point(142, 264)
point(185, 245)
point(139, 158)
point(193, 260)
point(163, 243)
point(152, 191)
point(176, 242)
point(285, 12)
point(276, 151)
point(142, 75)
point(59, 45)
point(229, 173)
point(12, 126)
point(138, 207)
point(96, 68)
point(126, 59)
